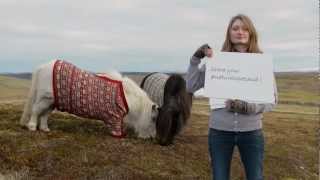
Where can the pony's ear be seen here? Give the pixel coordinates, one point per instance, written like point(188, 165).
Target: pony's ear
point(154, 112)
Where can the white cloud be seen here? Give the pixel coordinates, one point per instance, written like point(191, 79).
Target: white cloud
point(132, 29)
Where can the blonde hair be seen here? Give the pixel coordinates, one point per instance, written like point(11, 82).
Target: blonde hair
point(253, 36)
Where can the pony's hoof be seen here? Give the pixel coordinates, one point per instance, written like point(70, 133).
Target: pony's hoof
point(32, 127)
point(45, 129)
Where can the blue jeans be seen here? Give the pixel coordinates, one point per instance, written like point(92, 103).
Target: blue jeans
point(251, 148)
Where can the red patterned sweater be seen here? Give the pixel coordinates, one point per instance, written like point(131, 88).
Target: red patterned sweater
point(87, 95)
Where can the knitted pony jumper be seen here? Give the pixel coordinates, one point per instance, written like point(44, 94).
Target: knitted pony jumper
point(87, 95)
point(153, 84)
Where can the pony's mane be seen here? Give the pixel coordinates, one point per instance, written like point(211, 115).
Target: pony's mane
point(135, 92)
point(176, 89)
point(132, 84)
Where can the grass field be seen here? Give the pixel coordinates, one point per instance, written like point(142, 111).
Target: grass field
point(78, 148)
point(13, 89)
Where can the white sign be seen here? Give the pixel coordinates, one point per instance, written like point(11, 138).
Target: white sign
point(244, 76)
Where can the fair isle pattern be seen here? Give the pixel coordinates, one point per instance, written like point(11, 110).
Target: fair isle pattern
point(154, 87)
point(87, 95)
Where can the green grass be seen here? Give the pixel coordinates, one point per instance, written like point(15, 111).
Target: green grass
point(298, 109)
point(13, 88)
point(299, 88)
point(79, 148)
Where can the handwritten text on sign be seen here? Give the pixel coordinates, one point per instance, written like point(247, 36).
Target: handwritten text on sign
point(244, 76)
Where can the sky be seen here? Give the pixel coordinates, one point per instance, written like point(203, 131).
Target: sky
point(149, 35)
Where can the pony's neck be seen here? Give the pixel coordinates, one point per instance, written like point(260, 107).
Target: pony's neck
point(130, 85)
point(133, 92)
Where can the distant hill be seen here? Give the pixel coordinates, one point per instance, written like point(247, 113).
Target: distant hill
point(18, 75)
point(28, 75)
point(293, 88)
point(137, 76)
point(13, 88)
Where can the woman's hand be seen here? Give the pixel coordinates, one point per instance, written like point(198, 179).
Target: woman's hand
point(208, 52)
point(240, 106)
point(202, 51)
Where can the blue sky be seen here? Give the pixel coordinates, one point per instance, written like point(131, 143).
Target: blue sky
point(144, 35)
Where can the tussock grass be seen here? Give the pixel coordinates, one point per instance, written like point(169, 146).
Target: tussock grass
point(79, 148)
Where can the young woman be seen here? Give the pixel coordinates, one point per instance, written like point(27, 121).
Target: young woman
point(233, 122)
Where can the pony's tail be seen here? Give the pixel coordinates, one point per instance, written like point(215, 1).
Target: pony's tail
point(30, 100)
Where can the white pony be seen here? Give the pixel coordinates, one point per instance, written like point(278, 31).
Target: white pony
point(141, 116)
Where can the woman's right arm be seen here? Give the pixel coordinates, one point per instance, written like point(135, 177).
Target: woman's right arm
point(195, 75)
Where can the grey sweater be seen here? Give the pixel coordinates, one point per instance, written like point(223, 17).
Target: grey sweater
point(222, 119)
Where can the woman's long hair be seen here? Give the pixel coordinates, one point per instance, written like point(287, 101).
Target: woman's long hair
point(253, 36)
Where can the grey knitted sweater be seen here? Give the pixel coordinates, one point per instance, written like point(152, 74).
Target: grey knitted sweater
point(154, 86)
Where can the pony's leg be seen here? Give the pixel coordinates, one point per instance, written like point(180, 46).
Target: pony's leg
point(44, 121)
point(41, 95)
point(25, 118)
point(38, 109)
point(32, 124)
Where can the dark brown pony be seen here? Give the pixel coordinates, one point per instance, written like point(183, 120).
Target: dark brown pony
point(175, 110)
